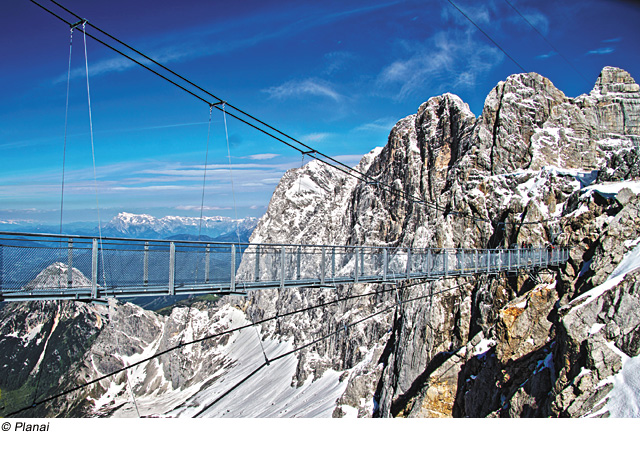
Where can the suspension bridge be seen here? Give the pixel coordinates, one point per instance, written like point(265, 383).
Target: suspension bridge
point(41, 266)
point(36, 266)
point(93, 268)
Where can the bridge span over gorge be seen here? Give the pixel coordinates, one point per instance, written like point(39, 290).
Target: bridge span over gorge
point(54, 267)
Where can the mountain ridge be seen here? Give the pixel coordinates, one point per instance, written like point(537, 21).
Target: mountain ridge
point(130, 225)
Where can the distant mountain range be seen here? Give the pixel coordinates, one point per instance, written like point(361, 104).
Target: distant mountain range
point(146, 226)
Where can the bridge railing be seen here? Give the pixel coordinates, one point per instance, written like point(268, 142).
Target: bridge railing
point(36, 266)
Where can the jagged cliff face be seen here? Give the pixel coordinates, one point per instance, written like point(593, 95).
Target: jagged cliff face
point(537, 344)
point(499, 347)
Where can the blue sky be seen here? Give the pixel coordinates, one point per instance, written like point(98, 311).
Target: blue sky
point(334, 74)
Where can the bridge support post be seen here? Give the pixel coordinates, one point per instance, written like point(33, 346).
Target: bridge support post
point(462, 264)
point(282, 266)
point(540, 255)
point(256, 277)
point(70, 263)
point(145, 263)
point(488, 261)
point(445, 256)
point(323, 264)
point(385, 264)
point(298, 258)
point(333, 262)
point(172, 268)
point(207, 256)
point(408, 263)
point(355, 269)
point(475, 257)
point(232, 274)
point(94, 269)
point(429, 263)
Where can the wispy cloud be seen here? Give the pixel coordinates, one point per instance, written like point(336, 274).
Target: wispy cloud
point(221, 37)
point(163, 187)
point(205, 208)
point(337, 61)
point(601, 51)
point(449, 59)
point(480, 14)
point(612, 40)
point(297, 89)
point(316, 137)
point(263, 156)
point(547, 55)
point(382, 124)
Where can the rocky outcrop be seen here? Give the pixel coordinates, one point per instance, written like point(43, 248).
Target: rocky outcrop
point(512, 176)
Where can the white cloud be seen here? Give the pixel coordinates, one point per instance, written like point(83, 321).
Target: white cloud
point(304, 88)
point(382, 124)
point(539, 21)
point(449, 59)
point(601, 51)
point(337, 61)
point(149, 188)
point(316, 137)
point(263, 156)
point(204, 208)
point(547, 55)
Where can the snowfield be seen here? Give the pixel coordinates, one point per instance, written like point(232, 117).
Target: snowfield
point(231, 391)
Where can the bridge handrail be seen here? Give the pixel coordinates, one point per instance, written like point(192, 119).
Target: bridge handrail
point(90, 267)
point(51, 237)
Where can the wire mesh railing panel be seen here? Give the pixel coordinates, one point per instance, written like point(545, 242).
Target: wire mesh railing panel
point(189, 267)
point(79, 263)
point(91, 266)
point(158, 267)
point(120, 268)
point(33, 268)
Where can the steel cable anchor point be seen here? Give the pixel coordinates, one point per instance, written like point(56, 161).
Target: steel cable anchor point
point(82, 22)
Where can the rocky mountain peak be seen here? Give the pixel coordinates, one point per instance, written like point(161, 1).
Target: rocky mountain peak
point(614, 79)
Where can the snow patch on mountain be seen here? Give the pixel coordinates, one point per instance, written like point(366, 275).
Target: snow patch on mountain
point(228, 389)
point(146, 226)
point(629, 263)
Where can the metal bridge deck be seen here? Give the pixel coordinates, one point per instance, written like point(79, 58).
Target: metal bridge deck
point(45, 267)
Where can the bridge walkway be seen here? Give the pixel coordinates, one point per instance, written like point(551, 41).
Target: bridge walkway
point(46, 267)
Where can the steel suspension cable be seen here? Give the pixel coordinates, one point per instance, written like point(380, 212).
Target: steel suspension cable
point(204, 178)
point(487, 36)
point(320, 339)
point(66, 121)
point(233, 192)
point(546, 40)
point(203, 339)
point(64, 147)
point(328, 160)
point(93, 152)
